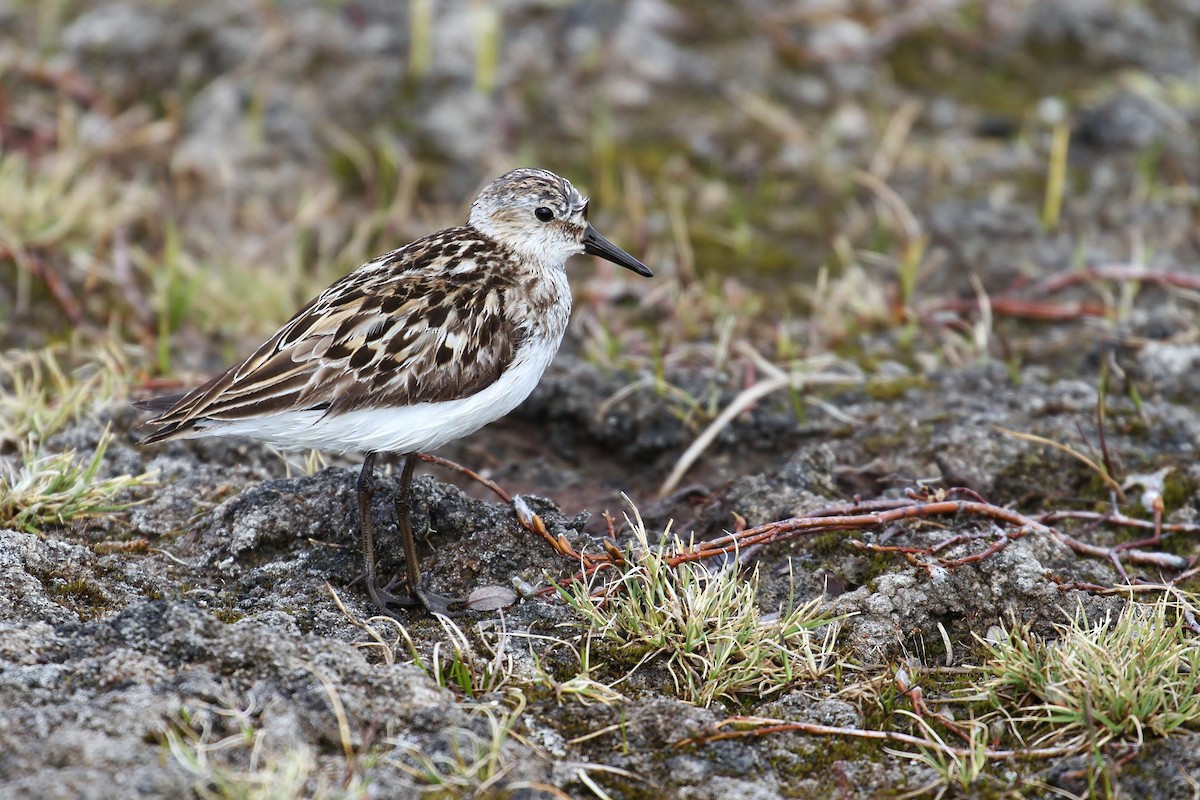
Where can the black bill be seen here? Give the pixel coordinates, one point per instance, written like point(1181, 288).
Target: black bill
point(596, 245)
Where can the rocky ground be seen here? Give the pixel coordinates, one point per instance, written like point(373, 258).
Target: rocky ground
point(858, 196)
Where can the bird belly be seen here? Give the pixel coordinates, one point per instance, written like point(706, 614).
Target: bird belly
point(403, 429)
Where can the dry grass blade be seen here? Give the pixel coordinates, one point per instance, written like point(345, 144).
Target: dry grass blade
point(960, 767)
point(243, 764)
point(1056, 176)
point(797, 379)
point(1109, 481)
point(41, 392)
point(468, 764)
point(59, 205)
point(745, 399)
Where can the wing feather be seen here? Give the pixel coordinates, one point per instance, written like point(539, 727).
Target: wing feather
point(400, 330)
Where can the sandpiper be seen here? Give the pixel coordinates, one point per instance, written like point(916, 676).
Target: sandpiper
point(420, 346)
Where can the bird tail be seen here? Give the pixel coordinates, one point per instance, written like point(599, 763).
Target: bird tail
point(161, 405)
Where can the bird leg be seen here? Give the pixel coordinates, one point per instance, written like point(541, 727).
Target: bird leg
point(439, 604)
point(380, 596)
point(404, 522)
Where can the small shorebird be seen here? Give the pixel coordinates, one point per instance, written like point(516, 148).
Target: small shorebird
point(420, 346)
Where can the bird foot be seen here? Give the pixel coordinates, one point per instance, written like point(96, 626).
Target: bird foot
point(390, 602)
point(443, 604)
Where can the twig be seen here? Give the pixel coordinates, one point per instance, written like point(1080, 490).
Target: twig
point(767, 726)
point(879, 514)
point(470, 473)
point(873, 515)
point(1120, 274)
point(1027, 309)
point(1116, 518)
point(525, 515)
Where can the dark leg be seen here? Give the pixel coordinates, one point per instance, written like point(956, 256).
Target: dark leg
point(434, 602)
point(404, 523)
point(384, 600)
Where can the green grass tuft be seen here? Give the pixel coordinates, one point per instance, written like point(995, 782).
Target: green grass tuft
point(705, 626)
point(1126, 678)
point(59, 488)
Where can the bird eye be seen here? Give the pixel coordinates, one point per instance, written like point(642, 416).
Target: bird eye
point(543, 214)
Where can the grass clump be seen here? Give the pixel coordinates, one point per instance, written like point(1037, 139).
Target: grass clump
point(243, 764)
point(475, 758)
point(454, 663)
point(1113, 679)
point(62, 216)
point(467, 763)
point(56, 489)
point(42, 392)
point(705, 626)
point(956, 768)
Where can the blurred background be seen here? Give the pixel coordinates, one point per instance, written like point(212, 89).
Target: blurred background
point(899, 245)
point(810, 175)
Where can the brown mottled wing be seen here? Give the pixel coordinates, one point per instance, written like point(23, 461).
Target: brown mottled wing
point(401, 330)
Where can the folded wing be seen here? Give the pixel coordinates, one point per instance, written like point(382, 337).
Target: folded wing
point(386, 335)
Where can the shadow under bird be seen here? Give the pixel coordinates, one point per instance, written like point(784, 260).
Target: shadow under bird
point(417, 348)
